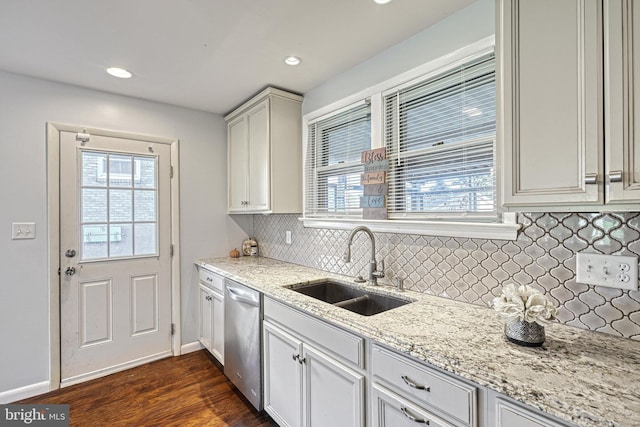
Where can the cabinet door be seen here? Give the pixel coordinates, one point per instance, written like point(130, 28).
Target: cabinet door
point(259, 157)
point(550, 102)
point(334, 394)
point(622, 88)
point(205, 317)
point(217, 327)
point(282, 376)
point(237, 164)
point(390, 410)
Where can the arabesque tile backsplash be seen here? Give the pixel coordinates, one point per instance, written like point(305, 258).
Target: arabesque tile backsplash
point(474, 270)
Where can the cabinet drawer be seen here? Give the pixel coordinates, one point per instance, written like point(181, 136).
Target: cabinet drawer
point(212, 280)
point(424, 385)
point(344, 346)
point(390, 410)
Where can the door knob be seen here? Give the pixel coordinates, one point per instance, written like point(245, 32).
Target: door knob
point(70, 271)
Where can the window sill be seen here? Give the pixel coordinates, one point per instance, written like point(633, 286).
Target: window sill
point(476, 230)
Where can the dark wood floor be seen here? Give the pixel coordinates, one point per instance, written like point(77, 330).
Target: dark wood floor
point(188, 390)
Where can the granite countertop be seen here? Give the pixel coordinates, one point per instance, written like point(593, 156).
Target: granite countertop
point(585, 377)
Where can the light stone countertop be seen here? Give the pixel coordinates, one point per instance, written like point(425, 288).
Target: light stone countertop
point(585, 377)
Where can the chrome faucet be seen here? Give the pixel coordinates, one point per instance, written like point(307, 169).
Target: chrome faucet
point(374, 274)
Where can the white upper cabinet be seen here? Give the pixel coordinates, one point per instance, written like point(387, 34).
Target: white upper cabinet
point(622, 117)
point(549, 90)
point(566, 104)
point(264, 153)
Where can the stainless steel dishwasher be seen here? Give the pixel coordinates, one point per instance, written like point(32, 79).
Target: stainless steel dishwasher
point(243, 340)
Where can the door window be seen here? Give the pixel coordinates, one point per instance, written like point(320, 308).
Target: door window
point(119, 201)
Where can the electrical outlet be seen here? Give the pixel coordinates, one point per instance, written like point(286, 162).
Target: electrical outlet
point(287, 237)
point(23, 230)
point(613, 271)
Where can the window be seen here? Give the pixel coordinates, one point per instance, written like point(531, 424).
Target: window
point(440, 139)
point(438, 125)
point(333, 166)
point(118, 205)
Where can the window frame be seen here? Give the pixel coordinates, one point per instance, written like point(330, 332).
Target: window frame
point(478, 216)
point(353, 213)
point(501, 226)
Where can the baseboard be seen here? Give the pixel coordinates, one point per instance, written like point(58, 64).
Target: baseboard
point(24, 392)
point(191, 347)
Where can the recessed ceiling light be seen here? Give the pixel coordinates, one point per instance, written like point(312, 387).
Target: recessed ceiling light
point(119, 72)
point(382, 1)
point(292, 60)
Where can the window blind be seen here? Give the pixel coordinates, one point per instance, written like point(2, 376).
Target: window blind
point(333, 168)
point(440, 138)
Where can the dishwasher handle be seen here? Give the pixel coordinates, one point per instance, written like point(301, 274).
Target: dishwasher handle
point(238, 296)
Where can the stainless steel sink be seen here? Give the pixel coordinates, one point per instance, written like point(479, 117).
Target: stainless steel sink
point(349, 297)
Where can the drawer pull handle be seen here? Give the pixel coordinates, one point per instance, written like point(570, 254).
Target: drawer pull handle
point(591, 178)
point(406, 413)
point(411, 384)
point(209, 279)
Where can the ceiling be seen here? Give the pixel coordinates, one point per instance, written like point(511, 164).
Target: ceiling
point(205, 54)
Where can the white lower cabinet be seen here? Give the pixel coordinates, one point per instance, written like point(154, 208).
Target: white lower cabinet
point(304, 383)
point(211, 313)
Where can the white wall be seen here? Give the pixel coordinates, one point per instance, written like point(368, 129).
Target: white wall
point(26, 105)
point(458, 30)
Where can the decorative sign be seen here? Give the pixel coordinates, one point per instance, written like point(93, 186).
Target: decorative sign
point(371, 156)
point(372, 202)
point(374, 182)
point(376, 189)
point(382, 165)
point(373, 178)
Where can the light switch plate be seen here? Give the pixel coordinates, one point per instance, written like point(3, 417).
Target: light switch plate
point(287, 237)
point(23, 230)
point(613, 271)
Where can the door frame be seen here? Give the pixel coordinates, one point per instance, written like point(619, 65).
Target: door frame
point(53, 238)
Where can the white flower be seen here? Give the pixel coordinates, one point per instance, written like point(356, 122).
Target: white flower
point(523, 303)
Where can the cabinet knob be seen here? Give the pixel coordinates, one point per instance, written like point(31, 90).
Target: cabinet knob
point(615, 176)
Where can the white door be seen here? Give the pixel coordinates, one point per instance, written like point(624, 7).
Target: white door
point(115, 241)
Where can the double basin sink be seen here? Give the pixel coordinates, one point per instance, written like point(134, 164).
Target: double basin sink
point(349, 297)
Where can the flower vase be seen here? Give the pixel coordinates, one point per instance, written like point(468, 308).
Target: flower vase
point(524, 333)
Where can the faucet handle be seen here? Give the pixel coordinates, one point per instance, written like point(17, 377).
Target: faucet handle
point(379, 271)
